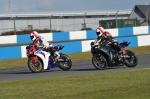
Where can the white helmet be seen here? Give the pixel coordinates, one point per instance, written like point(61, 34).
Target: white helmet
point(100, 31)
point(34, 35)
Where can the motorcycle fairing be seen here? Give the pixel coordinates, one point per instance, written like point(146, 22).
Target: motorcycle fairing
point(109, 52)
point(44, 56)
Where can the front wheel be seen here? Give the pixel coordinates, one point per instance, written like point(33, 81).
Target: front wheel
point(35, 67)
point(99, 62)
point(131, 59)
point(65, 63)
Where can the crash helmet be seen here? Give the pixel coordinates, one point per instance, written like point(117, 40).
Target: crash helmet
point(99, 31)
point(34, 35)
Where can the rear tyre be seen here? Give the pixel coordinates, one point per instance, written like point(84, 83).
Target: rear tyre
point(35, 67)
point(99, 62)
point(66, 62)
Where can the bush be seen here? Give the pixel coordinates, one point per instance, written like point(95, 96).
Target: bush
point(86, 29)
point(29, 31)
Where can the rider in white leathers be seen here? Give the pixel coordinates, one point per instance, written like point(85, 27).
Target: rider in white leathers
point(41, 42)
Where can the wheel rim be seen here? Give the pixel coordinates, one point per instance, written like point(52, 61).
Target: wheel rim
point(65, 62)
point(99, 61)
point(131, 59)
point(35, 65)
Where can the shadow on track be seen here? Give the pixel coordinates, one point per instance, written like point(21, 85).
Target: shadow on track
point(94, 69)
point(56, 70)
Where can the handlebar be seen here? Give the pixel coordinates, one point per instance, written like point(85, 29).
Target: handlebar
point(124, 44)
point(58, 47)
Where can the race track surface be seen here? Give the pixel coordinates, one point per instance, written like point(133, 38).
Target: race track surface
point(78, 68)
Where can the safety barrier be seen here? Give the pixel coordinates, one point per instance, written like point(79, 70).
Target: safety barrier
point(72, 46)
point(76, 35)
point(138, 36)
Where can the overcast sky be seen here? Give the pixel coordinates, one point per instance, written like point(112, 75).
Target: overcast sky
point(68, 5)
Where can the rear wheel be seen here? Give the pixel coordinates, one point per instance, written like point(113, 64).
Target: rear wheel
point(35, 67)
point(131, 59)
point(99, 62)
point(65, 63)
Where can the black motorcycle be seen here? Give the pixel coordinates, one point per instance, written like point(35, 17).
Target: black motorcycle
point(107, 56)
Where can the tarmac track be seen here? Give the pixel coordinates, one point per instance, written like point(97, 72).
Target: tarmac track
point(78, 68)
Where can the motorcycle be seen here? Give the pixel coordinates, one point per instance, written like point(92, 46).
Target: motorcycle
point(107, 56)
point(39, 59)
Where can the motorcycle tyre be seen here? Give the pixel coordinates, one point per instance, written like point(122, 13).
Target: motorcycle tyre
point(32, 69)
point(97, 67)
point(61, 65)
point(126, 61)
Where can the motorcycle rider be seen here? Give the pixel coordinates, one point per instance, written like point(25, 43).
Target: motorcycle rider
point(104, 37)
point(42, 43)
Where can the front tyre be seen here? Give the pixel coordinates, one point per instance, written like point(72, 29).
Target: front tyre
point(35, 67)
point(130, 59)
point(99, 62)
point(65, 63)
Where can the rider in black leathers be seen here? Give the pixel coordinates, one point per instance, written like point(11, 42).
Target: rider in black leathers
point(105, 38)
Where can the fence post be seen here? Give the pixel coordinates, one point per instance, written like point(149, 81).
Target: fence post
point(2, 26)
point(15, 25)
point(116, 19)
point(84, 20)
point(62, 22)
point(74, 21)
point(50, 23)
point(147, 16)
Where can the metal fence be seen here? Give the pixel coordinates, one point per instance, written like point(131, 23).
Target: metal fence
point(61, 21)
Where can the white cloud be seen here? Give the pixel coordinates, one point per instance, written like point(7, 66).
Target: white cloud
point(33, 6)
point(22, 7)
point(67, 5)
point(45, 4)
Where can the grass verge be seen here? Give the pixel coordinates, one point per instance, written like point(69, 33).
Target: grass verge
point(13, 63)
point(132, 84)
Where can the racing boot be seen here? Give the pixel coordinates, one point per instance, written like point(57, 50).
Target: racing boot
point(121, 62)
point(55, 59)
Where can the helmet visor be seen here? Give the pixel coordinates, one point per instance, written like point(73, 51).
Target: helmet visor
point(31, 37)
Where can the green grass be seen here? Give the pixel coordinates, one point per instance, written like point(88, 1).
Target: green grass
point(13, 63)
point(132, 84)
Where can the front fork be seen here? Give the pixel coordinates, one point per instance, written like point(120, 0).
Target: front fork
point(34, 58)
point(124, 53)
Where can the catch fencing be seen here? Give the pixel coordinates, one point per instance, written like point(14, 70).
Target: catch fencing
point(58, 21)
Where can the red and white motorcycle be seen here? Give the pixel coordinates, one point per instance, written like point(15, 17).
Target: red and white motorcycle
point(38, 59)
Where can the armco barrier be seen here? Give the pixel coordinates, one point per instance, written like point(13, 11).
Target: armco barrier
point(125, 31)
point(10, 52)
point(71, 47)
point(8, 39)
point(76, 35)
